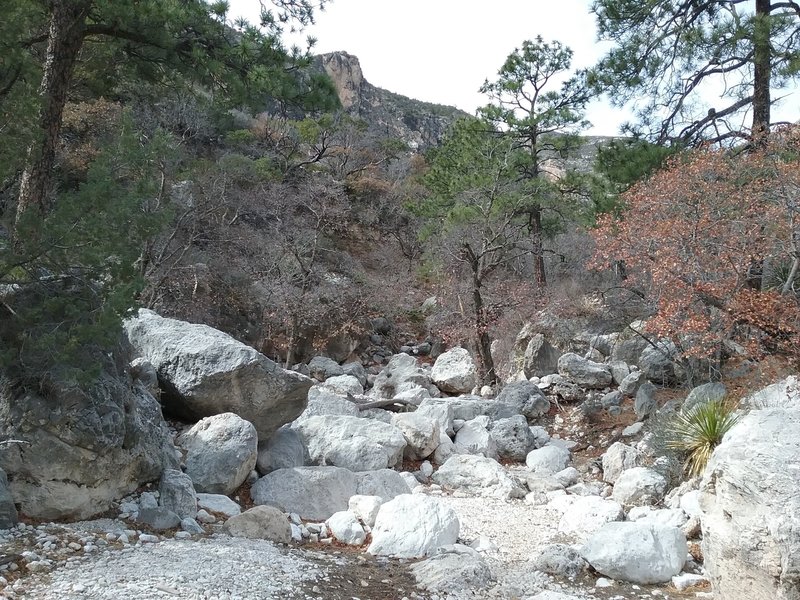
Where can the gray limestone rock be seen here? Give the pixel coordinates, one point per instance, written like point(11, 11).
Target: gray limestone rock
point(221, 451)
point(260, 523)
point(203, 372)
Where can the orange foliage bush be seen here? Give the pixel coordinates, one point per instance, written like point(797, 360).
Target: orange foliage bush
point(698, 236)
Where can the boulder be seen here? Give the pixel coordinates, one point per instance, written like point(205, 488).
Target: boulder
point(344, 527)
point(751, 507)
point(630, 343)
point(454, 372)
point(413, 526)
point(587, 514)
point(205, 372)
point(218, 503)
point(401, 369)
point(82, 447)
point(665, 516)
point(343, 385)
point(618, 458)
point(533, 355)
point(284, 450)
point(324, 401)
point(323, 368)
point(547, 460)
point(557, 559)
point(478, 475)
point(260, 523)
point(420, 432)
point(351, 442)
point(474, 438)
point(784, 394)
point(454, 568)
point(513, 437)
point(158, 518)
point(585, 373)
point(630, 385)
point(645, 404)
point(440, 410)
point(356, 369)
point(221, 451)
point(384, 483)
point(639, 486)
point(524, 398)
point(619, 371)
point(366, 507)
point(176, 493)
point(314, 493)
point(643, 553)
point(657, 363)
point(708, 392)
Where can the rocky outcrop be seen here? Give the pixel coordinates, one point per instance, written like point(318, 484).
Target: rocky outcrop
point(82, 447)
point(205, 372)
point(419, 124)
point(751, 508)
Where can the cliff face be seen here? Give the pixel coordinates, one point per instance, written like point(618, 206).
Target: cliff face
point(419, 124)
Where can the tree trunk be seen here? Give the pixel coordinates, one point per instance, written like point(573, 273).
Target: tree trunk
point(65, 38)
point(762, 67)
point(535, 225)
point(481, 329)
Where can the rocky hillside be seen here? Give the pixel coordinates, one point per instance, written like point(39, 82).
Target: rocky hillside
point(420, 124)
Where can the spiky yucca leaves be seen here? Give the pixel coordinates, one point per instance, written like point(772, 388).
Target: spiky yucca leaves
point(698, 431)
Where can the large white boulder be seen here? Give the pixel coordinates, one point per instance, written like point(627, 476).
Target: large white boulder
point(345, 527)
point(204, 372)
point(639, 486)
point(584, 372)
point(618, 458)
point(548, 460)
point(420, 432)
point(413, 526)
point(326, 401)
point(586, 514)
point(351, 442)
point(440, 410)
point(751, 507)
point(454, 371)
point(402, 369)
point(478, 475)
point(221, 451)
point(643, 553)
point(314, 493)
point(475, 438)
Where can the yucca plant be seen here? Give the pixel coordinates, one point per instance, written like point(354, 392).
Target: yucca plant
point(698, 431)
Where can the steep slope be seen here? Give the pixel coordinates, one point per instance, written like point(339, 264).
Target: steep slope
point(419, 124)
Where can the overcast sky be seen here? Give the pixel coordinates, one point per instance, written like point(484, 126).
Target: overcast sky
point(442, 50)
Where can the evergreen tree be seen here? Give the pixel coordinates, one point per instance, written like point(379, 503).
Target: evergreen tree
point(541, 115)
point(667, 53)
point(475, 216)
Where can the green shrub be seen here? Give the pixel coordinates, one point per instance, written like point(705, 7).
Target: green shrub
point(697, 432)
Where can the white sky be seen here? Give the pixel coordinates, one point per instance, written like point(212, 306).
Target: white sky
point(442, 50)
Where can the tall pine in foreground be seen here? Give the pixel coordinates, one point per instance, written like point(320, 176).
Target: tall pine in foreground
point(68, 249)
